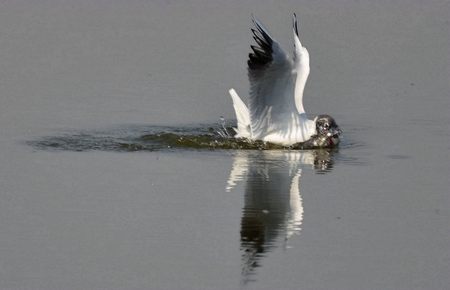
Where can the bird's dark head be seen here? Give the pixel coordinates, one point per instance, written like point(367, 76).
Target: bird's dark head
point(327, 131)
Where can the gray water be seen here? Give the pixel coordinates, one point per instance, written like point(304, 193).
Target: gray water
point(373, 214)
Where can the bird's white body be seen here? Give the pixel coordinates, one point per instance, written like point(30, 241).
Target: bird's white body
point(275, 113)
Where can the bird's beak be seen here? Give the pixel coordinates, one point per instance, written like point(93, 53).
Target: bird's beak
point(334, 132)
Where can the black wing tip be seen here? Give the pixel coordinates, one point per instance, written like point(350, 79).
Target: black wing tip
point(262, 53)
point(295, 24)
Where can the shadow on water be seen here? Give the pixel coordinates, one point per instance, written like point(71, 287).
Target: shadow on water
point(273, 205)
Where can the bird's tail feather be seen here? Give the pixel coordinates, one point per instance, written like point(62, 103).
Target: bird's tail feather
point(242, 115)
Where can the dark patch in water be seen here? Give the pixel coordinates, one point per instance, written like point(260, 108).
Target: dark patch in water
point(140, 138)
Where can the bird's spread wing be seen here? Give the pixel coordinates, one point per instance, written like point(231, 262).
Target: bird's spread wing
point(301, 68)
point(274, 81)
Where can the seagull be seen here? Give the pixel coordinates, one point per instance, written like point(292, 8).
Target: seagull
point(275, 112)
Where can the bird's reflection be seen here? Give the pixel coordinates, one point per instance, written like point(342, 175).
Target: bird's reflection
point(273, 206)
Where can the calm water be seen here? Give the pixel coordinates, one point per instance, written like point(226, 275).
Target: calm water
point(89, 201)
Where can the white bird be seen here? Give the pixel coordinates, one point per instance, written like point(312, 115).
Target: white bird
point(275, 113)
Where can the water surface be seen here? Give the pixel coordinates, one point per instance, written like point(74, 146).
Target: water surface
point(90, 200)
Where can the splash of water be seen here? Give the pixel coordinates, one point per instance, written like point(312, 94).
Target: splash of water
point(148, 138)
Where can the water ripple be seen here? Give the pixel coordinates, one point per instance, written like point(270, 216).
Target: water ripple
point(155, 138)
